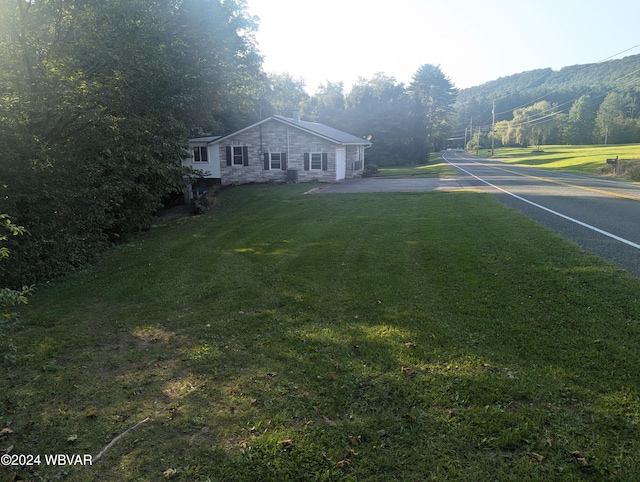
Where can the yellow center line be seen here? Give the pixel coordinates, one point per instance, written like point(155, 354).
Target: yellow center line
point(560, 183)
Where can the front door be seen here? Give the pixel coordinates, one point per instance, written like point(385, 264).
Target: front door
point(341, 163)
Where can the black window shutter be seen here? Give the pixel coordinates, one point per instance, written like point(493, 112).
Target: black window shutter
point(283, 159)
point(245, 155)
point(306, 161)
point(325, 161)
point(229, 156)
point(265, 156)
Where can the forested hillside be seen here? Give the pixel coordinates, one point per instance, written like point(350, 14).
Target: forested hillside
point(580, 104)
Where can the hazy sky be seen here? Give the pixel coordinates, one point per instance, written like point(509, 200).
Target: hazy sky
point(472, 41)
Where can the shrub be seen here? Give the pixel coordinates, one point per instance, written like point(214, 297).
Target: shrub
point(370, 170)
point(208, 201)
point(633, 172)
point(8, 297)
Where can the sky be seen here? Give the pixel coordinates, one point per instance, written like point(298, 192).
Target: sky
point(472, 41)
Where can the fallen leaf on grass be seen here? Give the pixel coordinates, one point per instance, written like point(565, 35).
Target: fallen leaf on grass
point(579, 456)
point(410, 418)
point(169, 473)
point(5, 431)
point(72, 438)
point(286, 444)
point(535, 456)
point(408, 371)
point(91, 413)
point(343, 463)
point(354, 439)
point(329, 421)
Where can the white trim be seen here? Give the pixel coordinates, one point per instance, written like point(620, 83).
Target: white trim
point(311, 168)
point(233, 155)
point(271, 160)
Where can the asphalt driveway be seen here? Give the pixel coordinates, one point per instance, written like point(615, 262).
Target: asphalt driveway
point(389, 184)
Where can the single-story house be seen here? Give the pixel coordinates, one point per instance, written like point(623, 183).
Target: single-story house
point(277, 149)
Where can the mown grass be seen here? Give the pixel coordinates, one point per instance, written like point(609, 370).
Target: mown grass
point(409, 336)
point(435, 167)
point(583, 159)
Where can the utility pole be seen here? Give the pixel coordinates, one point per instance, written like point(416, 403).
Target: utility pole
point(493, 126)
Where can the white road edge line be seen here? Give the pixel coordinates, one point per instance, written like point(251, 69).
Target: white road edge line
point(568, 218)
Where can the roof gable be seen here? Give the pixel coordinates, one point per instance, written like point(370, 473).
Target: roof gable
point(329, 133)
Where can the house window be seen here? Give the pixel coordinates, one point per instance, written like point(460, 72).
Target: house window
point(316, 161)
point(238, 156)
point(275, 160)
point(200, 154)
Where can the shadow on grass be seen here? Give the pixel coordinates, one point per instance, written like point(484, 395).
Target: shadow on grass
point(433, 335)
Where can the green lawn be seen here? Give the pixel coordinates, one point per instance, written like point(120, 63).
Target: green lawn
point(436, 167)
point(584, 159)
point(410, 336)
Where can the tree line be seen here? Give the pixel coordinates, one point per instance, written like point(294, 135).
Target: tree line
point(404, 122)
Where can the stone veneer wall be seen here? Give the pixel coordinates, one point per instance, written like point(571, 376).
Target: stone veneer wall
point(272, 136)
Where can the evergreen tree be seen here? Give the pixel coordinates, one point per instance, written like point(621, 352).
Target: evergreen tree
point(433, 96)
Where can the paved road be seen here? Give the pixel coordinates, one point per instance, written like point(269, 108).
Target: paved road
point(600, 215)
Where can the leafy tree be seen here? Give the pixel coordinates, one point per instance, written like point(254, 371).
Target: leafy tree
point(531, 125)
point(613, 124)
point(379, 107)
point(433, 97)
point(95, 100)
point(579, 124)
point(212, 47)
point(502, 132)
point(286, 93)
point(327, 105)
